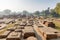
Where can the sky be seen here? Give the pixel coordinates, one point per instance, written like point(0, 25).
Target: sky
point(29, 5)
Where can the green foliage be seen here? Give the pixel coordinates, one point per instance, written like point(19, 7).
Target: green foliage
point(53, 13)
point(7, 11)
point(57, 8)
point(37, 13)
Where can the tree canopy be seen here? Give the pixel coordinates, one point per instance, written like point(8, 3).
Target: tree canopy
point(57, 8)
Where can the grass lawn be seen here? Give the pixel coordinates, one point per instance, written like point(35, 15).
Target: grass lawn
point(57, 23)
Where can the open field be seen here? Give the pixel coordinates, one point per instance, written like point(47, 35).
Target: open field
point(28, 28)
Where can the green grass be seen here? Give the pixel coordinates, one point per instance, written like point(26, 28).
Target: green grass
point(58, 28)
point(57, 23)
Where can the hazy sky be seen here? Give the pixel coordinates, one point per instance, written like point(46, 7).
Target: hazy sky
point(29, 5)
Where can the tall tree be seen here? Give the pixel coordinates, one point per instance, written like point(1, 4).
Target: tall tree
point(57, 8)
point(37, 13)
point(7, 11)
point(53, 13)
point(25, 13)
point(47, 12)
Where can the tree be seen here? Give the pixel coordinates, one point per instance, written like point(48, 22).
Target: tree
point(53, 13)
point(57, 8)
point(37, 13)
point(26, 13)
point(43, 13)
point(7, 11)
point(47, 12)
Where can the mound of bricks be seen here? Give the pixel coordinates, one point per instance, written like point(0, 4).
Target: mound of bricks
point(22, 24)
point(31, 38)
point(18, 30)
point(20, 27)
point(48, 32)
point(14, 36)
point(5, 34)
point(11, 29)
point(29, 24)
point(51, 24)
point(28, 31)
